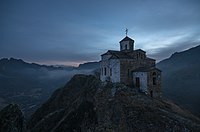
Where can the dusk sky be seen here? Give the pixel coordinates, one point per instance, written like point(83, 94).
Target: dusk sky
point(70, 32)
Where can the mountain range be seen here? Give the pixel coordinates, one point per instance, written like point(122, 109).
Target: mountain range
point(30, 84)
point(181, 78)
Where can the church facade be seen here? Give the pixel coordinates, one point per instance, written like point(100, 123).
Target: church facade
point(131, 67)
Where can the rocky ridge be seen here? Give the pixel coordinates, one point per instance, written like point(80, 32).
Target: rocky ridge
point(86, 104)
point(11, 119)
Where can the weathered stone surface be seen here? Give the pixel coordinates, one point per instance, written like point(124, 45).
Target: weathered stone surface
point(11, 119)
point(129, 110)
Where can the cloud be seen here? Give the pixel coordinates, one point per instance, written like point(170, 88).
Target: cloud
point(178, 45)
point(79, 31)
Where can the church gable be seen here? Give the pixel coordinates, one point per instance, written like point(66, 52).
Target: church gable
point(126, 39)
point(106, 56)
point(120, 55)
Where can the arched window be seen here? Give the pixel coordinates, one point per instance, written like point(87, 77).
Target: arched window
point(105, 71)
point(154, 73)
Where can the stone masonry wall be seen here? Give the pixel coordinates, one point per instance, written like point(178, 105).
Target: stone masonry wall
point(128, 65)
point(157, 91)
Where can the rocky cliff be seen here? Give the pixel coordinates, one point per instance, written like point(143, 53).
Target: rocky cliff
point(86, 104)
point(68, 106)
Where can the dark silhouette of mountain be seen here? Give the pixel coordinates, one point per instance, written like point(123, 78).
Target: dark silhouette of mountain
point(89, 65)
point(18, 64)
point(86, 104)
point(181, 78)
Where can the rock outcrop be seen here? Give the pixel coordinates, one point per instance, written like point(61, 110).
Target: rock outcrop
point(126, 110)
point(11, 119)
point(86, 104)
point(70, 108)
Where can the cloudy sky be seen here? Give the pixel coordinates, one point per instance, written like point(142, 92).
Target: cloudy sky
point(75, 31)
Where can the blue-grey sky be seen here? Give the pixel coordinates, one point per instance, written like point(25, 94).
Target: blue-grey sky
point(75, 31)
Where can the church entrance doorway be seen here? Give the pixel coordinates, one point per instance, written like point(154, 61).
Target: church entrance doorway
point(137, 82)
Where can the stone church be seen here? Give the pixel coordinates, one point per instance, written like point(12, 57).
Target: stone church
point(131, 67)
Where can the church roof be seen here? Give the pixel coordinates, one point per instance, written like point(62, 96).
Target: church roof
point(146, 69)
point(126, 39)
point(150, 59)
point(123, 55)
point(139, 50)
point(118, 54)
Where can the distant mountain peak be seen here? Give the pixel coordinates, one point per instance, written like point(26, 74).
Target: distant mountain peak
point(89, 65)
point(181, 78)
point(189, 56)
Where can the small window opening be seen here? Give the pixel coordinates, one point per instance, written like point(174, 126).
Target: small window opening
point(126, 47)
point(154, 80)
point(128, 72)
point(105, 71)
